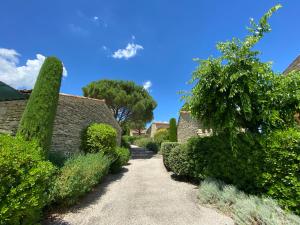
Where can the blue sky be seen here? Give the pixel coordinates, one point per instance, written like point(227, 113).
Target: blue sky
point(162, 37)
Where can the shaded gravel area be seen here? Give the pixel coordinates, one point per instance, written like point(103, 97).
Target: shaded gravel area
point(142, 194)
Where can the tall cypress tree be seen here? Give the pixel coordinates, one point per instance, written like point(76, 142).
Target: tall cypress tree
point(173, 130)
point(38, 117)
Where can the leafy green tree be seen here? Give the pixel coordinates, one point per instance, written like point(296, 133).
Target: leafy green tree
point(237, 90)
point(161, 136)
point(138, 125)
point(38, 117)
point(173, 130)
point(128, 101)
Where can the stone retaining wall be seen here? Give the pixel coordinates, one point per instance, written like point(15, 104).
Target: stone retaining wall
point(74, 113)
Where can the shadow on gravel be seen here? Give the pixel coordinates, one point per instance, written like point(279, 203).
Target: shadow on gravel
point(52, 216)
point(140, 153)
point(185, 179)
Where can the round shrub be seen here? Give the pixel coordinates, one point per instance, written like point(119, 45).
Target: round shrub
point(100, 137)
point(166, 148)
point(25, 179)
point(179, 161)
point(161, 135)
point(122, 156)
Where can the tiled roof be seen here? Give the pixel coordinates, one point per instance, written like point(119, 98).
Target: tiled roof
point(7, 93)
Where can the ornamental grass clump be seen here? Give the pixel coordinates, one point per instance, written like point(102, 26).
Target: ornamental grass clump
point(38, 117)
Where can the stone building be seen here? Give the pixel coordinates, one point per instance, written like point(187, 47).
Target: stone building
point(189, 127)
point(74, 113)
point(295, 65)
point(137, 132)
point(155, 126)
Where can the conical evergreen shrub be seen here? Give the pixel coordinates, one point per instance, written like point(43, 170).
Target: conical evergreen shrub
point(38, 117)
point(173, 130)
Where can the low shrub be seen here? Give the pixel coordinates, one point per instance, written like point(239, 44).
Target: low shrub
point(79, 175)
point(57, 158)
point(25, 179)
point(99, 137)
point(125, 142)
point(245, 209)
point(178, 161)
point(281, 168)
point(121, 159)
point(147, 143)
point(160, 136)
point(131, 139)
point(257, 164)
point(166, 148)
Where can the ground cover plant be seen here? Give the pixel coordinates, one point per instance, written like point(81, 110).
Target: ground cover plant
point(25, 179)
point(245, 209)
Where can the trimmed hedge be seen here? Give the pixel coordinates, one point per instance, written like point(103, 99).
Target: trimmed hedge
point(179, 161)
point(258, 164)
point(122, 156)
point(38, 117)
point(99, 137)
point(166, 148)
point(147, 143)
point(78, 176)
point(173, 130)
point(281, 174)
point(25, 179)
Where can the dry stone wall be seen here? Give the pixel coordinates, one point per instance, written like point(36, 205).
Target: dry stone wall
point(74, 113)
point(189, 127)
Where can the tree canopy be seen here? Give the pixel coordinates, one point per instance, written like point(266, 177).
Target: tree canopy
point(237, 90)
point(128, 101)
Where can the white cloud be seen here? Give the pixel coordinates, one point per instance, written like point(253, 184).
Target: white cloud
point(78, 30)
point(104, 48)
point(96, 18)
point(147, 85)
point(20, 76)
point(129, 52)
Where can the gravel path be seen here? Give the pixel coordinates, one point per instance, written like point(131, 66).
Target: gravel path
point(143, 194)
